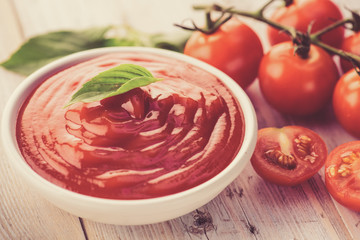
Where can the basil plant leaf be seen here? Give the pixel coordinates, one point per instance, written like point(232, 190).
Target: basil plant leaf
point(45, 48)
point(114, 81)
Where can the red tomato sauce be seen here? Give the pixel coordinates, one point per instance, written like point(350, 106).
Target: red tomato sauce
point(152, 141)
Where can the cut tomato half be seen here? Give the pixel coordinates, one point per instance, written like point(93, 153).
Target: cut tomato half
point(289, 155)
point(342, 174)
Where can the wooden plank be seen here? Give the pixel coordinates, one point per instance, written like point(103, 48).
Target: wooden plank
point(23, 215)
point(169, 230)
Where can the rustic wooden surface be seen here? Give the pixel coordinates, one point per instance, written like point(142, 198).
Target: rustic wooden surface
point(247, 209)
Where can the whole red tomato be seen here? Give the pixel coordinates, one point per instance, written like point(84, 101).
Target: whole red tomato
point(234, 48)
point(350, 44)
point(289, 155)
point(342, 174)
point(294, 85)
point(301, 13)
point(346, 102)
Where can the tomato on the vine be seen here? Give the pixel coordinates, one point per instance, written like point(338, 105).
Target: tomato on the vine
point(350, 44)
point(288, 156)
point(342, 174)
point(295, 85)
point(234, 48)
point(346, 102)
point(303, 13)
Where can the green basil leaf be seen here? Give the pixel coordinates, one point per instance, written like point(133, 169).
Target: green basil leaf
point(42, 49)
point(113, 82)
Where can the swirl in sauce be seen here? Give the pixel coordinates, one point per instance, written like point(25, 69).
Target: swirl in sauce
point(149, 142)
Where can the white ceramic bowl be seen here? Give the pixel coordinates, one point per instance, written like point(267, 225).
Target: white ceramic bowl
point(124, 212)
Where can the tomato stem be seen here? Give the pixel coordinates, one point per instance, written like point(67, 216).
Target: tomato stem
point(301, 40)
point(315, 39)
point(288, 2)
point(261, 11)
point(331, 27)
point(257, 15)
point(209, 22)
point(211, 25)
point(356, 21)
point(354, 59)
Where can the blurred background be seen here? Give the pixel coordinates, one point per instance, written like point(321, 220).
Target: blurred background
point(21, 19)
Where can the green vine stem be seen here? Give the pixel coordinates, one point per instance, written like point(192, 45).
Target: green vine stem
point(353, 58)
point(257, 15)
point(295, 35)
point(331, 27)
point(211, 25)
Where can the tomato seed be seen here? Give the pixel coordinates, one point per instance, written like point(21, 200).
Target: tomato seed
point(347, 159)
point(279, 158)
point(304, 147)
point(344, 170)
point(332, 171)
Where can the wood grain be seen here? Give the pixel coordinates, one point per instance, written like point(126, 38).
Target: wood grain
point(23, 215)
point(249, 208)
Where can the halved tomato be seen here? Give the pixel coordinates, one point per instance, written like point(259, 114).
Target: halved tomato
point(289, 155)
point(342, 174)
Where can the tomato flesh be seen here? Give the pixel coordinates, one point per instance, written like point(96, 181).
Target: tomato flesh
point(342, 174)
point(289, 155)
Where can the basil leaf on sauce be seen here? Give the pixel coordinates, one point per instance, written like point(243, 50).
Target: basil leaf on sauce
point(114, 81)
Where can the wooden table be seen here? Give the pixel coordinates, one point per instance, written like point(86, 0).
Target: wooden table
point(249, 208)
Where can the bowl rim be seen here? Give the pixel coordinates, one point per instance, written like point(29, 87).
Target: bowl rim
point(17, 98)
